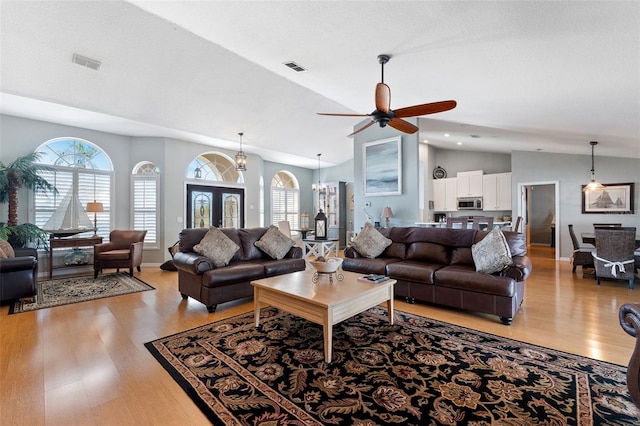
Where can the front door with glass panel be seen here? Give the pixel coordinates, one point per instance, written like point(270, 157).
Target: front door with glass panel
point(214, 206)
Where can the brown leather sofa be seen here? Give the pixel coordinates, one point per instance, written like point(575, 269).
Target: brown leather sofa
point(19, 275)
point(435, 265)
point(201, 280)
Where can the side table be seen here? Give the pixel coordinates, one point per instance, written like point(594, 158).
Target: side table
point(72, 242)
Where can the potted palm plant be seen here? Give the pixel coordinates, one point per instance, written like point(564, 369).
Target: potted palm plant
point(23, 172)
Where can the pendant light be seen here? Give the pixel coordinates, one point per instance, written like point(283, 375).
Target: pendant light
point(593, 185)
point(241, 157)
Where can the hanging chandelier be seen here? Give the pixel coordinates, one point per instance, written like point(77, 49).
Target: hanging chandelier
point(241, 157)
point(593, 184)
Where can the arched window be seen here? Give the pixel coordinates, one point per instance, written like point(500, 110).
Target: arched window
point(145, 201)
point(285, 199)
point(216, 167)
point(81, 171)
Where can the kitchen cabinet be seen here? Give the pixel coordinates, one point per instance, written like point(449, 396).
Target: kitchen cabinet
point(445, 194)
point(496, 190)
point(470, 183)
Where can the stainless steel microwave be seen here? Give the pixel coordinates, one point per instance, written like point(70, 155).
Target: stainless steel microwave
point(470, 203)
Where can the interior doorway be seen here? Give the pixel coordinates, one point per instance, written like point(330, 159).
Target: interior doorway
point(215, 206)
point(539, 206)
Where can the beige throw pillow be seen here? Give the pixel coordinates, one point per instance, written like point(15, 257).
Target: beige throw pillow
point(6, 249)
point(491, 254)
point(274, 243)
point(370, 242)
point(217, 247)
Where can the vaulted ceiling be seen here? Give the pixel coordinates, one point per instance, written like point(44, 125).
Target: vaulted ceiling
point(528, 76)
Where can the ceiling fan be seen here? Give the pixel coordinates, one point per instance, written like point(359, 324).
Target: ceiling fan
point(383, 113)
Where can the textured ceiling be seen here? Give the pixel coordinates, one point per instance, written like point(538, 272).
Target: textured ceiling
point(529, 76)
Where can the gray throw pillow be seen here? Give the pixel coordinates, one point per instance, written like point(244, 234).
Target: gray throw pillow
point(274, 243)
point(217, 247)
point(370, 242)
point(491, 254)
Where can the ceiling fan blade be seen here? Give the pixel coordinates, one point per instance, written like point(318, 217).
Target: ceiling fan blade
point(343, 115)
point(402, 125)
point(383, 97)
point(362, 128)
point(424, 109)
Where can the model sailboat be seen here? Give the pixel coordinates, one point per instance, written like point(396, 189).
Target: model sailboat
point(70, 218)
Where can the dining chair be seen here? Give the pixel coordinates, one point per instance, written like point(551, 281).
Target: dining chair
point(453, 221)
point(613, 257)
point(482, 220)
point(285, 227)
point(518, 223)
point(582, 256)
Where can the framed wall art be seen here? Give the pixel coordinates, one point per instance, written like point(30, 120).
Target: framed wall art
point(382, 167)
point(615, 198)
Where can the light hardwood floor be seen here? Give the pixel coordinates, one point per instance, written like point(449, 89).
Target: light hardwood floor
point(85, 364)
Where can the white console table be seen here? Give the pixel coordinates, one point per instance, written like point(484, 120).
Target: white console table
point(320, 248)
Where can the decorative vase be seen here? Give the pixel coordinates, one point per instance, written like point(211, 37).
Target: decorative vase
point(76, 257)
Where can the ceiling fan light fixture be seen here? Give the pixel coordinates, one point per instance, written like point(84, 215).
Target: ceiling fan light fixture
point(241, 157)
point(593, 184)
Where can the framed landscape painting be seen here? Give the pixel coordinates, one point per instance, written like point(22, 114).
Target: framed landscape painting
point(382, 167)
point(615, 198)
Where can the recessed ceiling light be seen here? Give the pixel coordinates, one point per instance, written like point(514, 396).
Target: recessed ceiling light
point(459, 143)
point(425, 141)
point(446, 135)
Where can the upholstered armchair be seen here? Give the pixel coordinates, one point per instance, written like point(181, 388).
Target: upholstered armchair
point(18, 275)
point(629, 315)
point(124, 250)
point(613, 257)
point(581, 255)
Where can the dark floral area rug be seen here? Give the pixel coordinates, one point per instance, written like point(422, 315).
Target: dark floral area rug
point(64, 291)
point(417, 372)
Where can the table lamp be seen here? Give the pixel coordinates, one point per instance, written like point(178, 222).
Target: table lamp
point(386, 215)
point(95, 208)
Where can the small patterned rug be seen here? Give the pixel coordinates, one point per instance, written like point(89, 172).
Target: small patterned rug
point(418, 371)
point(64, 291)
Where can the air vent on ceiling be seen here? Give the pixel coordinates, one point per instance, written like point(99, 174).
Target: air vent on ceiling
point(294, 66)
point(86, 62)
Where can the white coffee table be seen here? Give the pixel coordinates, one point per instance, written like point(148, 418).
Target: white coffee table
point(322, 303)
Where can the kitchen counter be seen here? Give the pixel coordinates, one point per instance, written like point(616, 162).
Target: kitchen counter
point(444, 224)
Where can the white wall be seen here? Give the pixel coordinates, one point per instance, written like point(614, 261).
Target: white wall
point(572, 171)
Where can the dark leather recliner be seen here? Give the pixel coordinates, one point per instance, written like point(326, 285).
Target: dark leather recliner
point(629, 315)
point(124, 250)
point(19, 275)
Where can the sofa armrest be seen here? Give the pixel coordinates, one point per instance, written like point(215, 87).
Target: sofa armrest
point(519, 270)
point(102, 247)
point(192, 263)
point(13, 264)
point(25, 251)
point(136, 250)
point(351, 252)
point(294, 253)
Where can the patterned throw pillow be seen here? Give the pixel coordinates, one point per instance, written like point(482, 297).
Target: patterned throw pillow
point(370, 242)
point(6, 249)
point(274, 243)
point(491, 254)
point(217, 247)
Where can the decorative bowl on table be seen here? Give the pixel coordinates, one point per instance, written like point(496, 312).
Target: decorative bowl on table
point(326, 266)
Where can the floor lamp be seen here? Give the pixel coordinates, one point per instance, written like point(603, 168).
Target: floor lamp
point(95, 208)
